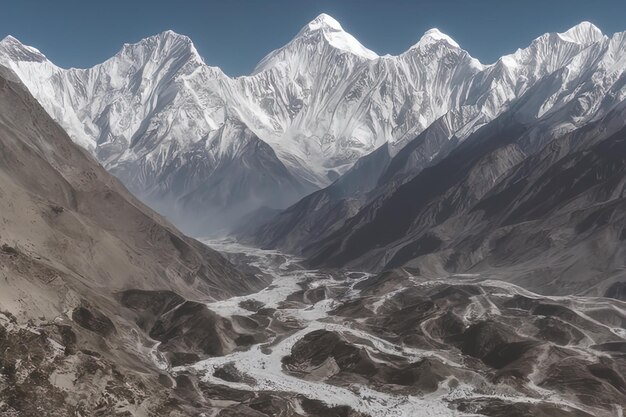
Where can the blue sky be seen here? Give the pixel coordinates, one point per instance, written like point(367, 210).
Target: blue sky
point(236, 34)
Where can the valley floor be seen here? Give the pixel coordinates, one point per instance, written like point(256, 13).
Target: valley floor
point(394, 345)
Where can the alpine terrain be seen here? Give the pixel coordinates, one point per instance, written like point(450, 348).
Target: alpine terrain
point(379, 236)
point(205, 149)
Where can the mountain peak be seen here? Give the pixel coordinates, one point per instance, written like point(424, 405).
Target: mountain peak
point(434, 35)
point(326, 27)
point(20, 52)
point(323, 21)
point(9, 39)
point(167, 43)
point(583, 33)
point(170, 34)
point(166, 36)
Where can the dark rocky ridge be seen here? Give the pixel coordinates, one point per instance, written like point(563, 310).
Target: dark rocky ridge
point(489, 207)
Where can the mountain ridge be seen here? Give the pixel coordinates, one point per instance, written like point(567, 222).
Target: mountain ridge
point(155, 112)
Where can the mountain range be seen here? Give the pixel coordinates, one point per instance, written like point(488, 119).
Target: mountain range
point(420, 234)
point(206, 150)
point(469, 185)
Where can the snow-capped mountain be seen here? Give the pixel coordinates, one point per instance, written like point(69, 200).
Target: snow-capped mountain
point(573, 97)
point(152, 116)
point(196, 144)
point(491, 199)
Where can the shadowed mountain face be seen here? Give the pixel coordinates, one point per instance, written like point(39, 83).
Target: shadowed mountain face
point(322, 211)
point(550, 219)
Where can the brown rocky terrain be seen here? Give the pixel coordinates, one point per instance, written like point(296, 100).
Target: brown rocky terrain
point(74, 247)
point(399, 343)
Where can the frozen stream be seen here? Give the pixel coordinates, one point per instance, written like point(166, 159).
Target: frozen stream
point(266, 366)
point(289, 304)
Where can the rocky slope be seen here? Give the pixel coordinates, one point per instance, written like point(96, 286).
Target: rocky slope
point(73, 243)
point(551, 221)
point(401, 344)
